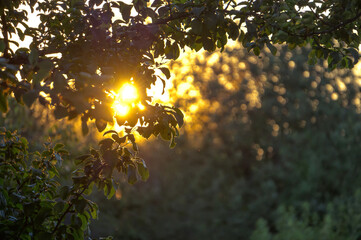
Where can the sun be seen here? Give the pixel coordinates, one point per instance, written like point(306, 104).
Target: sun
point(126, 98)
point(128, 93)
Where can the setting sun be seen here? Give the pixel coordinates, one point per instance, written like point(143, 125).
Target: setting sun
point(126, 98)
point(128, 93)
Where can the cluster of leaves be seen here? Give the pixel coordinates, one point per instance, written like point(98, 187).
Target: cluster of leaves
point(79, 54)
point(34, 203)
point(82, 50)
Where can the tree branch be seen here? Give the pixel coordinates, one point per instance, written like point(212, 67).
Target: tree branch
point(338, 25)
point(5, 35)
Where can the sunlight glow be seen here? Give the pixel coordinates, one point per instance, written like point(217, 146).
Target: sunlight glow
point(128, 93)
point(125, 99)
point(120, 109)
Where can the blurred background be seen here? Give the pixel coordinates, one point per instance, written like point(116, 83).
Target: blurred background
point(270, 150)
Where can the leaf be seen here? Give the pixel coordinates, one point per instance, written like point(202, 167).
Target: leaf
point(256, 51)
point(33, 56)
point(30, 97)
point(125, 10)
point(198, 10)
point(84, 127)
point(211, 22)
point(208, 44)
point(272, 48)
point(179, 116)
point(355, 54)
point(165, 71)
point(119, 140)
point(80, 205)
point(110, 157)
point(58, 146)
point(197, 26)
point(64, 192)
point(172, 141)
point(60, 112)
point(233, 30)
point(3, 102)
point(45, 67)
point(132, 176)
point(143, 170)
point(156, 3)
point(106, 143)
point(109, 190)
point(100, 124)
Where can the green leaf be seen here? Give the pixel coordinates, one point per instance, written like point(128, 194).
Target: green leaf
point(198, 10)
point(58, 146)
point(132, 176)
point(64, 192)
point(355, 54)
point(80, 205)
point(172, 141)
point(233, 31)
point(211, 21)
point(256, 51)
point(125, 10)
point(272, 48)
point(30, 97)
point(109, 190)
point(45, 67)
point(142, 169)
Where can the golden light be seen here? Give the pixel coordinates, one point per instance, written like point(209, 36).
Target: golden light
point(141, 106)
point(120, 109)
point(128, 93)
point(124, 99)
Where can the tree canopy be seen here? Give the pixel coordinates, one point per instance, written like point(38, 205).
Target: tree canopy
point(83, 50)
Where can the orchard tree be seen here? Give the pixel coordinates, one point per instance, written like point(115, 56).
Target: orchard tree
point(82, 52)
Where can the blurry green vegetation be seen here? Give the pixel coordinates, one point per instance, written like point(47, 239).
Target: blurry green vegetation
point(270, 151)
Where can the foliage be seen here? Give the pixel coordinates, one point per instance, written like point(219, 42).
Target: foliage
point(33, 202)
point(281, 139)
point(82, 51)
